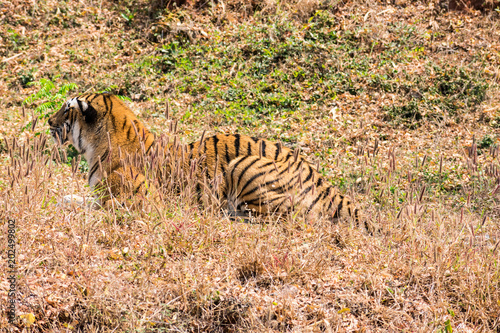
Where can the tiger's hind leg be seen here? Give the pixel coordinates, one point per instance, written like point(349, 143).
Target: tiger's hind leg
point(232, 205)
point(257, 185)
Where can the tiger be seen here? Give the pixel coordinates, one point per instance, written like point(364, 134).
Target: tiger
point(257, 174)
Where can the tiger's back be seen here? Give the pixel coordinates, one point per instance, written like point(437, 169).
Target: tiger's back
point(217, 152)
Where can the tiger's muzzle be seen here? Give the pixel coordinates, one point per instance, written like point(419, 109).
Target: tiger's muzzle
point(60, 133)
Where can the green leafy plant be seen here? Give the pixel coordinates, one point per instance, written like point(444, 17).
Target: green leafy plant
point(26, 77)
point(51, 96)
point(128, 16)
point(486, 142)
point(447, 327)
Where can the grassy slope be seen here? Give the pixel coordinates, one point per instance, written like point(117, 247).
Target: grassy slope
point(412, 82)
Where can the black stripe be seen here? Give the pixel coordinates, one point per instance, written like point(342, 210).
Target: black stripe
point(265, 165)
point(284, 170)
point(94, 97)
point(106, 106)
point(93, 170)
point(228, 159)
point(330, 206)
point(138, 187)
point(96, 165)
point(113, 121)
point(259, 200)
point(191, 146)
point(250, 192)
point(339, 207)
point(73, 118)
point(105, 155)
point(327, 192)
point(290, 154)
point(319, 182)
point(297, 167)
point(188, 150)
point(246, 169)
point(304, 192)
point(98, 130)
point(79, 105)
point(276, 154)
point(310, 174)
point(266, 184)
point(319, 197)
point(255, 140)
point(124, 122)
point(137, 126)
point(205, 161)
point(80, 141)
point(110, 103)
point(264, 148)
point(249, 149)
point(257, 175)
point(234, 168)
point(216, 141)
point(128, 133)
point(286, 187)
point(237, 145)
point(151, 145)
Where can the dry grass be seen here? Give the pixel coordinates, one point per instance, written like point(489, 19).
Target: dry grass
point(433, 190)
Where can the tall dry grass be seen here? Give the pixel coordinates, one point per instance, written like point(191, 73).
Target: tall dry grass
point(185, 266)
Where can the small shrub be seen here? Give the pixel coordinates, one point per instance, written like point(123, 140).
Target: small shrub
point(51, 96)
point(486, 142)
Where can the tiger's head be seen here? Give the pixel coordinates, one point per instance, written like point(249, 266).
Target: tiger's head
point(92, 122)
point(75, 115)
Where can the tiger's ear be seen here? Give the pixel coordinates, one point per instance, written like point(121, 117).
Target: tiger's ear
point(89, 114)
point(87, 110)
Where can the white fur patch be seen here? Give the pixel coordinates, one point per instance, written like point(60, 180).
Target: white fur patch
point(74, 103)
point(85, 148)
point(78, 201)
point(75, 134)
point(89, 150)
point(94, 180)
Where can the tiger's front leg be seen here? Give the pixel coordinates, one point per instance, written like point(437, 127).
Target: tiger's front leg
point(126, 187)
